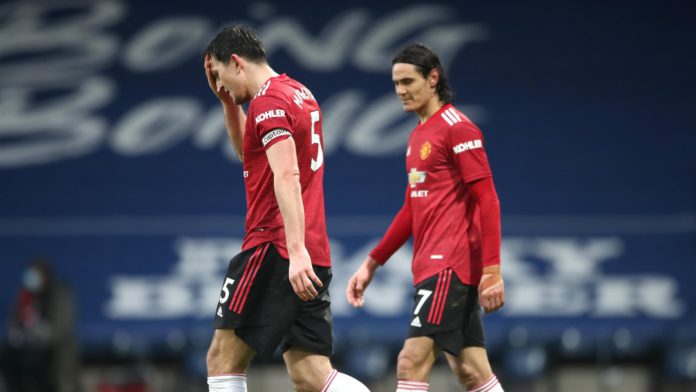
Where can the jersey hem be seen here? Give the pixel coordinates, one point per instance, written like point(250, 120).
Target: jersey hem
point(478, 177)
point(466, 282)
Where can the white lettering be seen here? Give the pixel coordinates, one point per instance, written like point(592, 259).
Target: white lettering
point(80, 42)
point(374, 53)
point(376, 132)
point(203, 258)
point(270, 114)
point(514, 251)
point(604, 297)
point(575, 260)
point(653, 296)
point(212, 131)
point(326, 52)
point(155, 126)
point(540, 297)
point(160, 298)
point(274, 134)
point(574, 286)
point(302, 95)
point(71, 47)
point(389, 295)
point(166, 43)
point(615, 297)
point(419, 194)
point(196, 277)
point(60, 128)
point(338, 112)
point(658, 297)
point(466, 146)
point(192, 289)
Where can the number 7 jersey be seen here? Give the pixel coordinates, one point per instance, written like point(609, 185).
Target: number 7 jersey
point(445, 154)
point(284, 108)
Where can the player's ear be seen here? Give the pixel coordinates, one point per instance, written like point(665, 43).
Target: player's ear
point(237, 61)
point(433, 77)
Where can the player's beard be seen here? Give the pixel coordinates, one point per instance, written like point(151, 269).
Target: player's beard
point(408, 106)
point(238, 99)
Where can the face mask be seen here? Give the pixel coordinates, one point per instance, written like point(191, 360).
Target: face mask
point(32, 280)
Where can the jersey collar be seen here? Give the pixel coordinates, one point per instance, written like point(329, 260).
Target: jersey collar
point(437, 113)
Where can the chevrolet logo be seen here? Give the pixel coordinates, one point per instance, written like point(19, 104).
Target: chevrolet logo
point(416, 177)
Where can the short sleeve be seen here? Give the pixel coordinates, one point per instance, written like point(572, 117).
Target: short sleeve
point(272, 120)
point(468, 153)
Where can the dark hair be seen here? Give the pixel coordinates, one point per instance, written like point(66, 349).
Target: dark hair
point(240, 40)
point(425, 60)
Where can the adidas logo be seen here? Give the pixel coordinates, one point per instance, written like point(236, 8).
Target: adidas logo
point(219, 312)
point(416, 322)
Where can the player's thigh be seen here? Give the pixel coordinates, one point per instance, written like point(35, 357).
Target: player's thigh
point(228, 353)
point(416, 358)
point(256, 300)
point(308, 371)
point(443, 310)
point(311, 329)
point(471, 366)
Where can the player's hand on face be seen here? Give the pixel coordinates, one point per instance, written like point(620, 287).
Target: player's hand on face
point(302, 276)
point(355, 292)
point(215, 84)
point(491, 289)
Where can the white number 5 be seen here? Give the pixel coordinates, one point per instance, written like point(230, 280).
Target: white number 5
point(316, 140)
point(225, 290)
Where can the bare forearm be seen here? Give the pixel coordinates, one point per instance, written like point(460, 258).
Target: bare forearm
point(289, 196)
point(234, 123)
point(371, 264)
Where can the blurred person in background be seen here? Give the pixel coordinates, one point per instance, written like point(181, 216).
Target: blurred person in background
point(452, 211)
point(275, 292)
point(40, 349)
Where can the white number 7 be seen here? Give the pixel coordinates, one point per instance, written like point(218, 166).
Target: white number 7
point(226, 291)
point(315, 165)
point(425, 295)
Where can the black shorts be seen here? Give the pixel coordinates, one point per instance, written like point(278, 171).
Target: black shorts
point(448, 312)
point(258, 302)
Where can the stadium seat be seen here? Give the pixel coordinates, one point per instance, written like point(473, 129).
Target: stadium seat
point(680, 363)
point(526, 357)
point(526, 363)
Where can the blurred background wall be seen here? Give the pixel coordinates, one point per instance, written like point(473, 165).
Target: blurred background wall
point(115, 165)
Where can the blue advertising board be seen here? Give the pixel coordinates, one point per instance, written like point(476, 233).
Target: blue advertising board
point(114, 160)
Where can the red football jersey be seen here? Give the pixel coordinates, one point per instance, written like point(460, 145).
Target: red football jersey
point(444, 154)
point(281, 109)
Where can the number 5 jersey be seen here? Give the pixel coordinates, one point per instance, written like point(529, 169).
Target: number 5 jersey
point(284, 108)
